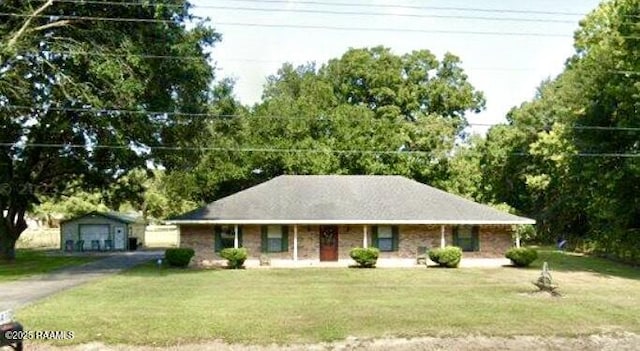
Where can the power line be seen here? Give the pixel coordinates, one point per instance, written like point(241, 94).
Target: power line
point(411, 15)
point(389, 29)
point(633, 129)
point(603, 155)
point(297, 26)
point(226, 149)
point(232, 116)
point(413, 7)
point(88, 18)
point(338, 4)
point(355, 13)
point(241, 59)
point(287, 150)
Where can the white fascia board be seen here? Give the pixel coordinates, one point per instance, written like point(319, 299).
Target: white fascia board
point(352, 222)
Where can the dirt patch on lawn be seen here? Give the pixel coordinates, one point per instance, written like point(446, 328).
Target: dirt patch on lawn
point(605, 342)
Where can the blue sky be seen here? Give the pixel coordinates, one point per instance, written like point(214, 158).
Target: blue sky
point(507, 68)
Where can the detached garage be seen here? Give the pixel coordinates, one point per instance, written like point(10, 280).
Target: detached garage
point(102, 231)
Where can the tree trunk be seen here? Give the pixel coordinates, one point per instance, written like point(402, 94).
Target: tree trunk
point(7, 244)
point(11, 226)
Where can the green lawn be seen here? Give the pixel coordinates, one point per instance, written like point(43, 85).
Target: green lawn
point(146, 306)
point(30, 262)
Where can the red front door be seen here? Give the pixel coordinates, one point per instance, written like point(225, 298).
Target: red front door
point(328, 243)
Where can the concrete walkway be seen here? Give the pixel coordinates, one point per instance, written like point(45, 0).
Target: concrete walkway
point(19, 293)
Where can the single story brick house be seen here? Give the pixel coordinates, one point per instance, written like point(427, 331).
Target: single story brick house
point(307, 220)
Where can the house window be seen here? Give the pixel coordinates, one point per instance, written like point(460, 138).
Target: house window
point(466, 237)
point(385, 238)
point(275, 238)
point(225, 237)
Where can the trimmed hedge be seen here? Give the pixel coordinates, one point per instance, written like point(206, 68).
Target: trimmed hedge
point(449, 256)
point(365, 257)
point(179, 257)
point(235, 257)
point(521, 256)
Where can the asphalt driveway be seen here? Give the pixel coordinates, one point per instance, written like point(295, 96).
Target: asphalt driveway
point(16, 294)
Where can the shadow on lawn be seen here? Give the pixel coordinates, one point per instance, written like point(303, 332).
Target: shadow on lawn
point(31, 262)
point(574, 262)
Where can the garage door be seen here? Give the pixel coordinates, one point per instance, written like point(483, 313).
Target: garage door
point(92, 232)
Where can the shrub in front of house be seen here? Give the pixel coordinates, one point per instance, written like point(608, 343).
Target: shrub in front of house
point(365, 257)
point(179, 257)
point(521, 256)
point(449, 256)
point(235, 257)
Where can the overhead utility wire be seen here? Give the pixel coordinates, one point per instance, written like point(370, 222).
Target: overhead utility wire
point(389, 29)
point(623, 155)
point(413, 15)
point(366, 13)
point(188, 148)
point(335, 4)
point(230, 116)
point(297, 26)
point(240, 59)
point(414, 7)
point(273, 150)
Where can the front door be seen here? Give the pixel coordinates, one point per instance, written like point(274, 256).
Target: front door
point(328, 243)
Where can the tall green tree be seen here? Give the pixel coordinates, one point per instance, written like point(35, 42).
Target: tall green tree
point(369, 111)
point(570, 156)
point(79, 87)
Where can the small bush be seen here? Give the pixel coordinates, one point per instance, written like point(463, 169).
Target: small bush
point(521, 256)
point(449, 256)
point(365, 257)
point(179, 257)
point(235, 257)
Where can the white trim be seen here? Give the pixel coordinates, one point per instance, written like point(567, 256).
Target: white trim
point(517, 239)
point(442, 239)
point(235, 236)
point(295, 242)
point(364, 236)
point(348, 221)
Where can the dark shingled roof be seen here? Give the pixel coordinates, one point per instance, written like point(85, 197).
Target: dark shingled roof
point(346, 199)
point(117, 216)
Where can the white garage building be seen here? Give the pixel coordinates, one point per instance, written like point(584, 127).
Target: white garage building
point(102, 231)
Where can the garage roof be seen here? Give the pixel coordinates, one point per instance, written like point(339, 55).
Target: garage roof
point(116, 216)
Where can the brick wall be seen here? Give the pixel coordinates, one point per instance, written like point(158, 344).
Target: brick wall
point(494, 241)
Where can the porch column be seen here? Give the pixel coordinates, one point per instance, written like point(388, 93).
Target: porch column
point(517, 239)
point(364, 236)
point(442, 241)
point(235, 236)
point(295, 242)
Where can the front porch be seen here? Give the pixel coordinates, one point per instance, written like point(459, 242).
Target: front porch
point(306, 245)
point(342, 263)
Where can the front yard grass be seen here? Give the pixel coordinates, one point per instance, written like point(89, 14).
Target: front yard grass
point(262, 306)
point(31, 262)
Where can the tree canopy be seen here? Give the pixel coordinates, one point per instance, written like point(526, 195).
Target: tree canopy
point(570, 157)
point(369, 111)
point(79, 87)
